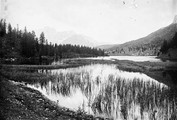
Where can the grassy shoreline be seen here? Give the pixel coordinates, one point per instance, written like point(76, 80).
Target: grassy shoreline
point(157, 70)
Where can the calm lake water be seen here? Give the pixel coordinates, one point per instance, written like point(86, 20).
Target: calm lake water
point(104, 90)
point(132, 58)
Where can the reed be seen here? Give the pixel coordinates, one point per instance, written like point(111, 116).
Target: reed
point(112, 95)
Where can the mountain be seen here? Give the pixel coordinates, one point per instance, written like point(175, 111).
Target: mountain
point(149, 45)
point(105, 47)
point(78, 39)
point(66, 37)
point(53, 36)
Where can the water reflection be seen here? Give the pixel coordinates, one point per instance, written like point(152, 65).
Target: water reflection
point(104, 90)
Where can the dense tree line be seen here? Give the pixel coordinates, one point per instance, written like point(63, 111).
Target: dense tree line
point(15, 43)
point(169, 44)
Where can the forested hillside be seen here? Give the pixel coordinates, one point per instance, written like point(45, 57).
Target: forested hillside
point(169, 48)
point(170, 44)
point(18, 44)
point(149, 45)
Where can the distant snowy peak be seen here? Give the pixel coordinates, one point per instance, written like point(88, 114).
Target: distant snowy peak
point(67, 37)
point(54, 36)
point(79, 39)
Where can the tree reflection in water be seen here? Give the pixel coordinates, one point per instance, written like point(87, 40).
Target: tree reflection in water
point(104, 90)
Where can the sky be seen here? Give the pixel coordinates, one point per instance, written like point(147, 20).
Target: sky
point(105, 21)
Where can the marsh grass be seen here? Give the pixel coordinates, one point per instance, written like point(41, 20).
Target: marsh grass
point(113, 96)
point(110, 96)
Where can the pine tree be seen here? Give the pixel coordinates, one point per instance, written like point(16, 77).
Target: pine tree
point(41, 42)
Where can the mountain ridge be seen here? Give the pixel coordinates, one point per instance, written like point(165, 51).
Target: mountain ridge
point(106, 46)
point(148, 45)
point(79, 39)
point(66, 37)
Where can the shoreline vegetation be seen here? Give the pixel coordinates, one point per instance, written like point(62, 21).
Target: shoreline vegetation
point(33, 104)
point(20, 102)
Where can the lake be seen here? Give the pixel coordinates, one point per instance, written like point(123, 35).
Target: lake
point(132, 58)
point(113, 58)
point(104, 90)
